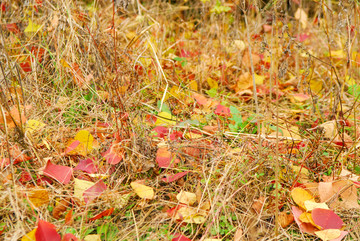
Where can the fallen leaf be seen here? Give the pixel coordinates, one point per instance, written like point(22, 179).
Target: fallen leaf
point(143, 191)
point(174, 177)
point(92, 237)
point(60, 208)
point(39, 197)
point(105, 213)
point(30, 236)
point(165, 119)
point(32, 27)
point(222, 111)
point(166, 159)
point(46, 232)
point(301, 97)
point(244, 82)
point(70, 237)
point(190, 215)
point(328, 234)
point(258, 204)
point(180, 237)
point(80, 186)
point(95, 191)
point(239, 235)
point(34, 125)
point(326, 219)
point(188, 198)
point(285, 219)
point(300, 195)
point(310, 205)
point(304, 227)
point(60, 173)
point(84, 144)
point(114, 154)
point(87, 165)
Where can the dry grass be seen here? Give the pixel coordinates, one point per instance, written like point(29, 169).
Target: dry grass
point(91, 72)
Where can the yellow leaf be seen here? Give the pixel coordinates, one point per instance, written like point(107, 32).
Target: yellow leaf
point(30, 236)
point(310, 205)
point(212, 83)
point(316, 85)
point(300, 195)
point(86, 143)
point(306, 217)
point(349, 80)
point(177, 92)
point(193, 85)
point(328, 234)
point(34, 125)
point(190, 215)
point(142, 190)
point(39, 197)
point(259, 79)
point(80, 186)
point(92, 237)
point(340, 54)
point(188, 198)
point(165, 119)
point(32, 27)
point(64, 63)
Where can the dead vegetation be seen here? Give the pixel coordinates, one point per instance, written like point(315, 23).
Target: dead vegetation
point(137, 120)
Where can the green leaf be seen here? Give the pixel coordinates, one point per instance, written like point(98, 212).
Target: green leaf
point(182, 61)
point(354, 90)
point(165, 107)
point(212, 92)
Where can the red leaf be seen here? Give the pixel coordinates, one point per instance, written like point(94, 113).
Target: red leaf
point(165, 158)
point(222, 111)
point(46, 232)
point(72, 146)
point(86, 165)
point(176, 135)
point(60, 173)
point(3, 7)
point(69, 237)
point(12, 27)
point(107, 212)
point(38, 53)
point(302, 37)
point(161, 131)
point(68, 218)
point(304, 227)
point(26, 66)
point(326, 219)
point(25, 177)
point(94, 191)
point(174, 177)
point(180, 237)
point(114, 155)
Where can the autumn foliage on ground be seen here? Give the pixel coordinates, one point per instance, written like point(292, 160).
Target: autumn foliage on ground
point(179, 120)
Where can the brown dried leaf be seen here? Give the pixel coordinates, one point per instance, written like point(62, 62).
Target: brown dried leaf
point(285, 219)
point(258, 204)
point(60, 208)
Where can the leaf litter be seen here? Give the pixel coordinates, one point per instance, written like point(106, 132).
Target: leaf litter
point(117, 125)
